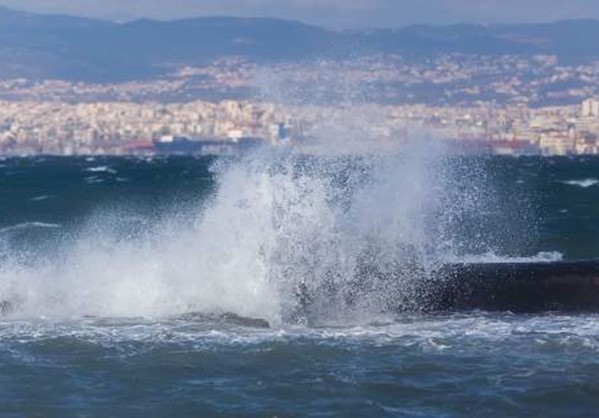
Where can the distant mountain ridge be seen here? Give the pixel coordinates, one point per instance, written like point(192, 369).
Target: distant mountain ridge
point(83, 49)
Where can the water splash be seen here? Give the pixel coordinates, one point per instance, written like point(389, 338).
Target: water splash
point(286, 237)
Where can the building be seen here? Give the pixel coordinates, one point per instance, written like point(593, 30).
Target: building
point(590, 108)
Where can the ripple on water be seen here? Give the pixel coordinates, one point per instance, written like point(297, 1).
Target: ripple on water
point(450, 365)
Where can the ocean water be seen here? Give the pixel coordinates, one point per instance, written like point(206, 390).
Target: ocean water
point(143, 286)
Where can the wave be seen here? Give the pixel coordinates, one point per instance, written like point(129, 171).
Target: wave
point(585, 184)
point(434, 333)
point(94, 180)
point(28, 225)
point(40, 198)
point(101, 169)
point(492, 257)
point(278, 223)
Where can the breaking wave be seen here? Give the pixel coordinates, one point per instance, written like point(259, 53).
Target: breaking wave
point(279, 225)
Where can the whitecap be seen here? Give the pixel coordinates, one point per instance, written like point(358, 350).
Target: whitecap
point(28, 225)
point(491, 257)
point(585, 183)
point(101, 169)
point(40, 198)
point(93, 180)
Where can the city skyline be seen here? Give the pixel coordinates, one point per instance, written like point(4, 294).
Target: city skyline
point(330, 13)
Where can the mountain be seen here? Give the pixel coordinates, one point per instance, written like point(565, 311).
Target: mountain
point(573, 40)
point(74, 48)
point(94, 50)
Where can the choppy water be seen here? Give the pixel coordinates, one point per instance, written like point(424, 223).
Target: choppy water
point(107, 257)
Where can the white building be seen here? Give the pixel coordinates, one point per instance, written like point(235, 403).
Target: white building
point(590, 108)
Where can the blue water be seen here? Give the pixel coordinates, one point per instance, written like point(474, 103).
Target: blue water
point(459, 365)
point(106, 264)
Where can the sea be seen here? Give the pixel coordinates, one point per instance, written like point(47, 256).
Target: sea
point(160, 286)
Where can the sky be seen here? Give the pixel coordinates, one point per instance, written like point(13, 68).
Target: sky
point(330, 13)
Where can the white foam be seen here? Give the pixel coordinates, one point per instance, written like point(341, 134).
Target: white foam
point(436, 334)
point(40, 198)
point(585, 184)
point(101, 169)
point(28, 225)
point(491, 257)
point(94, 180)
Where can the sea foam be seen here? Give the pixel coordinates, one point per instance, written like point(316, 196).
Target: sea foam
point(585, 184)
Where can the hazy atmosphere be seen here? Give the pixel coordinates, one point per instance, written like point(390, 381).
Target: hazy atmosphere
point(336, 13)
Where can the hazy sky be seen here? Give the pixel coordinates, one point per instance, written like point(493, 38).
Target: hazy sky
point(333, 13)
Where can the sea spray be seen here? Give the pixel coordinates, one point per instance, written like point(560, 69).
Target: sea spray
point(117, 268)
point(285, 236)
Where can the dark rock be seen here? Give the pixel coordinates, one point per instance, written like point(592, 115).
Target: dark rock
point(228, 318)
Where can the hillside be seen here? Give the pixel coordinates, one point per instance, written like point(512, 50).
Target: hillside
point(72, 48)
